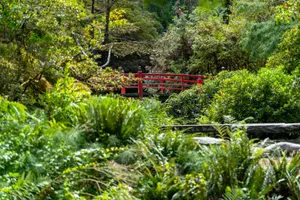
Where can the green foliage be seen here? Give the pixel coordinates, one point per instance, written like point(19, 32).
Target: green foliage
point(233, 161)
point(288, 11)
point(262, 39)
point(269, 96)
point(288, 51)
point(216, 46)
point(173, 48)
point(120, 192)
point(26, 187)
point(73, 145)
point(254, 10)
point(36, 37)
point(166, 10)
point(104, 180)
point(235, 169)
point(12, 111)
point(106, 117)
point(286, 170)
point(43, 159)
point(185, 106)
point(209, 6)
point(203, 44)
point(167, 184)
point(61, 102)
point(110, 80)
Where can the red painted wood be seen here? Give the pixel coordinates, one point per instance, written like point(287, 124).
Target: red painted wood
point(162, 86)
point(200, 81)
point(164, 82)
point(182, 83)
point(140, 84)
point(123, 91)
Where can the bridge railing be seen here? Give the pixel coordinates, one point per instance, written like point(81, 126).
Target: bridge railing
point(164, 82)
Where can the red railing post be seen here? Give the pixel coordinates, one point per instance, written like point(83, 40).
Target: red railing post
point(123, 90)
point(162, 86)
point(182, 83)
point(140, 84)
point(200, 81)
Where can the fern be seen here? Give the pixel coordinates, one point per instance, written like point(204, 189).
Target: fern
point(105, 116)
point(12, 111)
point(27, 187)
point(235, 194)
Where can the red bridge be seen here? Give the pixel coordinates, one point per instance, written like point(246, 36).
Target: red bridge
point(164, 82)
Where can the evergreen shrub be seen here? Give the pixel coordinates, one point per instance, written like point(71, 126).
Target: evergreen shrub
point(187, 106)
point(269, 96)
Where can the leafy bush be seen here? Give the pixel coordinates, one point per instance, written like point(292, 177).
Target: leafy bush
point(60, 102)
point(110, 80)
point(167, 183)
point(288, 51)
point(268, 96)
point(185, 105)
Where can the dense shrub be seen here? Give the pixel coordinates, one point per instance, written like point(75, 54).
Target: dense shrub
point(268, 96)
point(45, 159)
point(189, 105)
point(288, 52)
point(185, 105)
point(61, 102)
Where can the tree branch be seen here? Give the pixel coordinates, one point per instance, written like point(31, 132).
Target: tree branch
point(78, 44)
point(108, 58)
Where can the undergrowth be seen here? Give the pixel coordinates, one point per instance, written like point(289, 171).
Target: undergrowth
point(114, 148)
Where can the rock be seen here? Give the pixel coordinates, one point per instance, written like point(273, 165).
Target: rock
point(209, 140)
point(273, 128)
point(255, 130)
point(284, 146)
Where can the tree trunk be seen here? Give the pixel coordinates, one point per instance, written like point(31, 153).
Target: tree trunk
point(93, 7)
point(107, 21)
point(227, 12)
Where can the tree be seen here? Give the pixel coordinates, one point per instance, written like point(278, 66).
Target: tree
point(288, 52)
point(128, 33)
point(36, 40)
